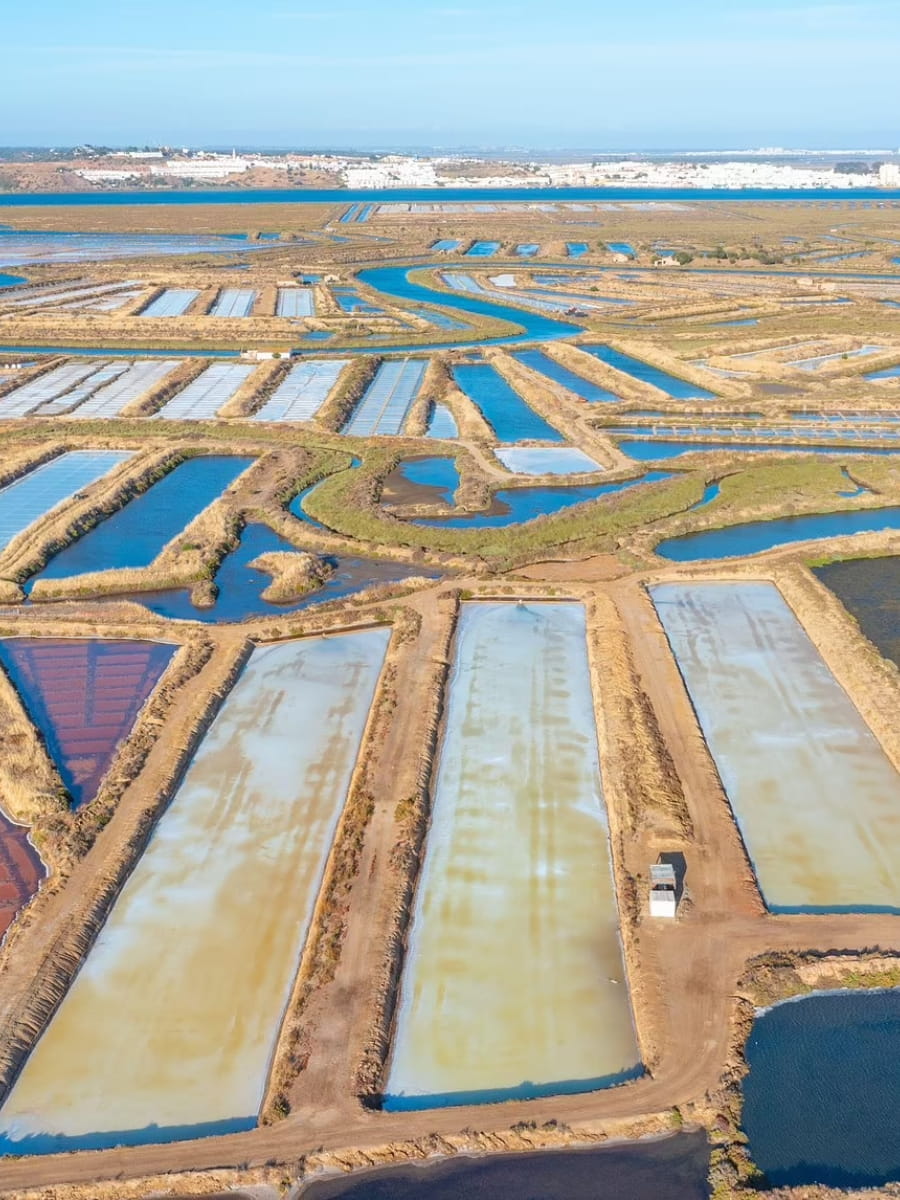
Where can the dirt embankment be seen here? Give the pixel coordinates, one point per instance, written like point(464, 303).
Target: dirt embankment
point(343, 398)
point(411, 817)
point(252, 394)
point(434, 386)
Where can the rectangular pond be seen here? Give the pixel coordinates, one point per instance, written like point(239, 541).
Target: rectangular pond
point(483, 249)
point(84, 697)
point(173, 302)
point(130, 384)
point(35, 494)
point(869, 588)
point(57, 386)
point(387, 400)
point(295, 302)
point(514, 984)
point(547, 460)
point(511, 419)
point(169, 1028)
point(137, 533)
point(303, 391)
point(234, 302)
point(672, 385)
point(205, 395)
point(812, 791)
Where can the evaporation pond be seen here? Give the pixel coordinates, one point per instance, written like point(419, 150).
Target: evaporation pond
point(511, 419)
point(514, 984)
point(670, 1168)
point(137, 533)
point(672, 385)
point(84, 696)
point(869, 588)
point(544, 460)
point(537, 360)
point(41, 490)
point(790, 748)
point(147, 1045)
point(822, 1094)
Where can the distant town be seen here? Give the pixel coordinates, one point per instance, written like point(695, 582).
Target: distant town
point(86, 168)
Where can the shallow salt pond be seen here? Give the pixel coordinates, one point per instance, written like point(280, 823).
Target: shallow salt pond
point(510, 417)
point(514, 984)
point(169, 1028)
point(543, 460)
point(813, 793)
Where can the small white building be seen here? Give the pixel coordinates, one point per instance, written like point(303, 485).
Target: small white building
point(663, 902)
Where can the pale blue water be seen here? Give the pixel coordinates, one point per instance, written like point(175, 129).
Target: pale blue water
point(117, 352)
point(679, 389)
point(620, 248)
point(483, 249)
point(723, 324)
point(758, 536)
point(888, 373)
point(514, 506)
point(576, 249)
point(135, 535)
point(538, 361)
point(511, 419)
point(241, 586)
point(527, 249)
point(823, 1092)
point(446, 245)
point(442, 423)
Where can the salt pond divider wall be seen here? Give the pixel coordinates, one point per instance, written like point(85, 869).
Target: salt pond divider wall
point(146, 1046)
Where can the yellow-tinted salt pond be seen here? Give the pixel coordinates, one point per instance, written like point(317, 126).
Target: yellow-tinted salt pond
point(514, 984)
point(169, 1028)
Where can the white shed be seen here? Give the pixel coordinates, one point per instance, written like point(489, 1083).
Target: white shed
point(662, 890)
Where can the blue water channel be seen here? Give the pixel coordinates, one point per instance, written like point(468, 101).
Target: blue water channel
point(801, 196)
point(537, 360)
point(678, 389)
point(822, 1094)
point(655, 450)
point(137, 533)
point(756, 537)
point(240, 586)
point(535, 327)
point(514, 506)
point(511, 419)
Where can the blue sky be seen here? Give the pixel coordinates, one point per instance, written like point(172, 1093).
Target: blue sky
point(640, 73)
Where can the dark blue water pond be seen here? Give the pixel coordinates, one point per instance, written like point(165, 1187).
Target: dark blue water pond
point(759, 536)
point(514, 506)
point(822, 1095)
point(576, 249)
point(241, 586)
point(135, 535)
point(672, 1168)
point(504, 410)
point(869, 588)
point(10, 280)
point(680, 389)
point(538, 361)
